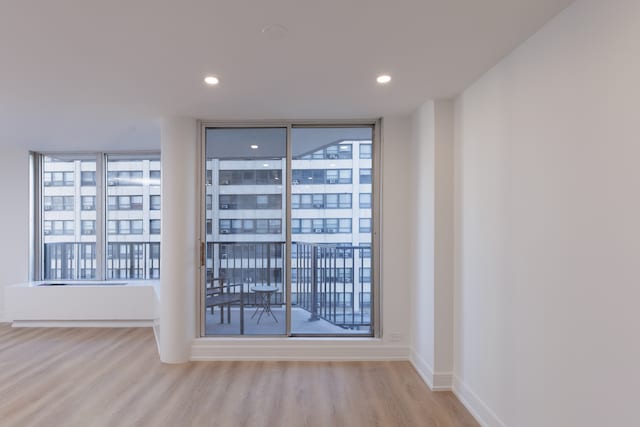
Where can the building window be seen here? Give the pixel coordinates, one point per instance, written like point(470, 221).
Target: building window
point(58, 179)
point(88, 178)
point(321, 201)
point(58, 228)
point(66, 248)
point(321, 176)
point(251, 177)
point(365, 176)
point(88, 227)
point(154, 202)
point(365, 200)
point(154, 177)
point(365, 151)
point(250, 201)
point(365, 225)
point(125, 177)
point(88, 203)
point(321, 225)
point(58, 203)
point(154, 226)
point(250, 226)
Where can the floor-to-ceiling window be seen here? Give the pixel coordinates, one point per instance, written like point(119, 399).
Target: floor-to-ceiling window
point(288, 224)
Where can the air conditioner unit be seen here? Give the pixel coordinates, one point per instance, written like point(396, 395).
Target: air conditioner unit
point(112, 182)
point(332, 180)
point(47, 232)
point(226, 182)
point(332, 156)
point(332, 230)
point(317, 230)
point(224, 231)
point(317, 205)
point(295, 182)
point(225, 206)
point(48, 208)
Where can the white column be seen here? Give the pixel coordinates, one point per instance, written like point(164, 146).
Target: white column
point(179, 256)
point(432, 218)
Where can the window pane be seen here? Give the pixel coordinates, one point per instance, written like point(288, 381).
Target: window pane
point(67, 234)
point(323, 193)
point(244, 247)
point(133, 216)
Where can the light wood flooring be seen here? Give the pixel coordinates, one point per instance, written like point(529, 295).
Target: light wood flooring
point(113, 377)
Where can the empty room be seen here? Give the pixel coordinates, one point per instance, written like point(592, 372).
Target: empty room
point(338, 213)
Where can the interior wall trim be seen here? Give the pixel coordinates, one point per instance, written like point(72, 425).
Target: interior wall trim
point(474, 404)
point(292, 349)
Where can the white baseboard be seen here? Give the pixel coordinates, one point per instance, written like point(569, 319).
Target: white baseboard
point(479, 409)
point(438, 381)
point(156, 333)
point(82, 323)
point(205, 349)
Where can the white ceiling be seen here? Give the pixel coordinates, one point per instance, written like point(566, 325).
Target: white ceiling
point(95, 74)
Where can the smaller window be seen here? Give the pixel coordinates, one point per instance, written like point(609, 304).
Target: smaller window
point(365, 176)
point(344, 151)
point(345, 176)
point(365, 225)
point(136, 227)
point(154, 226)
point(154, 177)
point(345, 225)
point(88, 203)
point(154, 202)
point(87, 178)
point(365, 151)
point(365, 200)
point(344, 201)
point(88, 227)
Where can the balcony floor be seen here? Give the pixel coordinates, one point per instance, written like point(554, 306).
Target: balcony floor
point(300, 323)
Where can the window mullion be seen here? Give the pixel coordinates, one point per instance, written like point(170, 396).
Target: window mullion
point(100, 217)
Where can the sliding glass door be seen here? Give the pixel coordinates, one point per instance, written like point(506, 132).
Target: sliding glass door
point(331, 230)
point(288, 231)
point(245, 206)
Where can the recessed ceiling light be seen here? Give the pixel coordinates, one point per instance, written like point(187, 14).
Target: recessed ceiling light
point(266, 165)
point(211, 80)
point(383, 79)
point(254, 147)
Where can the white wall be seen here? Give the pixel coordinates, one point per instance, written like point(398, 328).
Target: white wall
point(14, 218)
point(179, 262)
point(423, 240)
point(431, 262)
point(396, 230)
point(548, 226)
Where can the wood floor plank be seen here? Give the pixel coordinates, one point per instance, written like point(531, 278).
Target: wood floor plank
point(90, 377)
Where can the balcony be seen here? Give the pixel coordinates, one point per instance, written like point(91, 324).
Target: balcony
point(330, 289)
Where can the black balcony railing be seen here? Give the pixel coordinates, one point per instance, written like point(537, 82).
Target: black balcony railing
point(77, 261)
point(333, 283)
point(247, 264)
